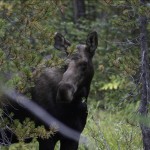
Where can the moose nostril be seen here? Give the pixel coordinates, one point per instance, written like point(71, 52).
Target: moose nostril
point(65, 93)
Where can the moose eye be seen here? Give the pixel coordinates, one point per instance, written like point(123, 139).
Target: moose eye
point(84, 65)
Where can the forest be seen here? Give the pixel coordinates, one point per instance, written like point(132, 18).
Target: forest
point(118, 103)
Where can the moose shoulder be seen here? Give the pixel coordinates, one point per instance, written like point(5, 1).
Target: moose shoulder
point(60, 91)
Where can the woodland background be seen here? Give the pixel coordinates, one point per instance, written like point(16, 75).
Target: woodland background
point(119, 96)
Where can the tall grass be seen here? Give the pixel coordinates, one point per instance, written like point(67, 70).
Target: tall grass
point(106, 130)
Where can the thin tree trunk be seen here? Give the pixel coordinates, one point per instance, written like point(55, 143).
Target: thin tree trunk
point(79, 9)
point(145, 78)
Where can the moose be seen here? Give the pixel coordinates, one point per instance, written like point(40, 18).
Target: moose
point(63, 92)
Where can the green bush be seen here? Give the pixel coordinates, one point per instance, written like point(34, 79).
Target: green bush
point(34, 145)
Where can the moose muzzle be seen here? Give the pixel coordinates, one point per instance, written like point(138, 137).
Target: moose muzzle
point(65, 93)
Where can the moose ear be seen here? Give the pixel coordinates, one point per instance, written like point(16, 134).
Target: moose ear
point(60, 42)
point(92, 42)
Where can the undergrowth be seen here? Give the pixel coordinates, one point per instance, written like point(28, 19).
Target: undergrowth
point(106, 130)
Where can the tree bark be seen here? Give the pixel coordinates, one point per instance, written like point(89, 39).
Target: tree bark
point(145, 78)
point(79, 9)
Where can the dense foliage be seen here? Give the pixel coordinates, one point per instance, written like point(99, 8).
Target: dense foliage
point(26, 38)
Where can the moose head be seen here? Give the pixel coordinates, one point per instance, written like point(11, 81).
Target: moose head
point(76, 79)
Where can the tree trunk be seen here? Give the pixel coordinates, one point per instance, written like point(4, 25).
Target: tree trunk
point(145, 76)
point(79, 9)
